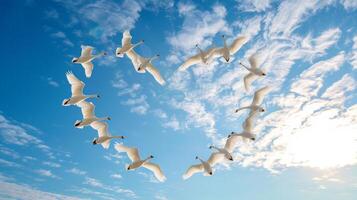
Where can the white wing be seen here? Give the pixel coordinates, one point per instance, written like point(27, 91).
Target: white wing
point(259, 95)
point(155, 73)
point(192, 170)
point(253, 61)
point(249, 122)
point(86, 51)
point(156, 170)
point(135, 60)
point(132, 153)
point(189, 62)
point(248, 79)
point(237, 44)
point(216, 52)
point(231, 143)
point(126, 38)
point(215, 158)
point(87, 109)
point(76, 84)
point(101, 127)
point(88, 68)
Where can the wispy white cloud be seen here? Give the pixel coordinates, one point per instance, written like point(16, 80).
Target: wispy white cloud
point(116, 176)
point(52, 82)
point(8, 163)
point(253, 5)
point(76, 171)
point(138, 105)
point(47, 173)
point(51, 164)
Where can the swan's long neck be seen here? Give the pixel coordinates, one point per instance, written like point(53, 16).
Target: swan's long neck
point(103, 118)
point(200, 50)
point(242, 108)
point(224, 41)
point(148, 158)
point(244, 66)
point(213, 147)
point(135, 45)
point(200, 160)
point(93, 96)
point(153, 58)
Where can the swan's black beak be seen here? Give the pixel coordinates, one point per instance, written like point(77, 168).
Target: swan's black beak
point(231, 159)
point(253, 139)
point(210, 173)
point(77, 124)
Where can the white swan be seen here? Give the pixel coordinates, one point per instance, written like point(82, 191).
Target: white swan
point(226, 51)
point(205, 166)
point(133, 155)
point(126, 44)
point(142, 65)
point(77, 91)
point(201, 57)
point(254, 72)
point(225, 151)
point(257, 101)
point(104, 136)
point(88, 115)
point(245, 135)
point(86, 59)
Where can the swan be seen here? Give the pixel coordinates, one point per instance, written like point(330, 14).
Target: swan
point(226, 51)
point(225, 151)
point(86, 59)
point(201, 57)
point(257, 100)
point(104, 136)
point(245, 135)
point(77, 91)
point(254, 72)
point(126, 44)
point(205, 166)
point(142, 65)
point(88, 115)
point(133, 155)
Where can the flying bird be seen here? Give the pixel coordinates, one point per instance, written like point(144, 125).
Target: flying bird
point(227, 51)
point(126, 44)
point(205, 166)
point(86, 59)
point(77, 91)
point(142, 65)
point(201, 57)
point(133, 155)
point(104, 136)
point(254, 72)
point(89, 117)
point(257, 101)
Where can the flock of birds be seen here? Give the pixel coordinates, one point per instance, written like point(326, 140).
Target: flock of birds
point(141, 65)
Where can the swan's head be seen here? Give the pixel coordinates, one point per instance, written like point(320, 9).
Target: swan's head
point(261, 109)
point(108, 118)
point(65, 102)
point(263, 74)
point(128, 168)
point(151, 156)
point(94, 142)
point(210, 173)
point(210, 147)
point(74, 60)
point(230, 158)
point(252, 138)
point(119, 52)
point(196, 157)
point(77, 123)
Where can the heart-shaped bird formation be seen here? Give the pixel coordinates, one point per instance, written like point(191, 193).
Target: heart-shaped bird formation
point(141, 65)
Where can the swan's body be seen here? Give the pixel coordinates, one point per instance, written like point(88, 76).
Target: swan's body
point(226, 51)
point(205, 166)
point(86, 59)
point(133, 155)
point(142, 65)
point(202, 57)
point(126, 44)
point(223, 151)
point(254, 72)
point(88, 115)
point(104, 136)
point(77, 91)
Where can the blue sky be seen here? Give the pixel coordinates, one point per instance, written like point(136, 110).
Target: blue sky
point(306, 145)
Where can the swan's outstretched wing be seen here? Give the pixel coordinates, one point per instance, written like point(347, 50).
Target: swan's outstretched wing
point(101, 127)
point(237, 44)
point(156, 170)
point(215, 158)
point(231, 143)
point(88, 68)
point(76, 85)
point(126, 38)
point(155, 73)
point(216, 52)
point(132, 153)
point(259, 95)
point(86, 51)
point(253, 61)
point(189, 62)
point(248, 79)
point(87, 109)
point(249, 121)
point(192, 170)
